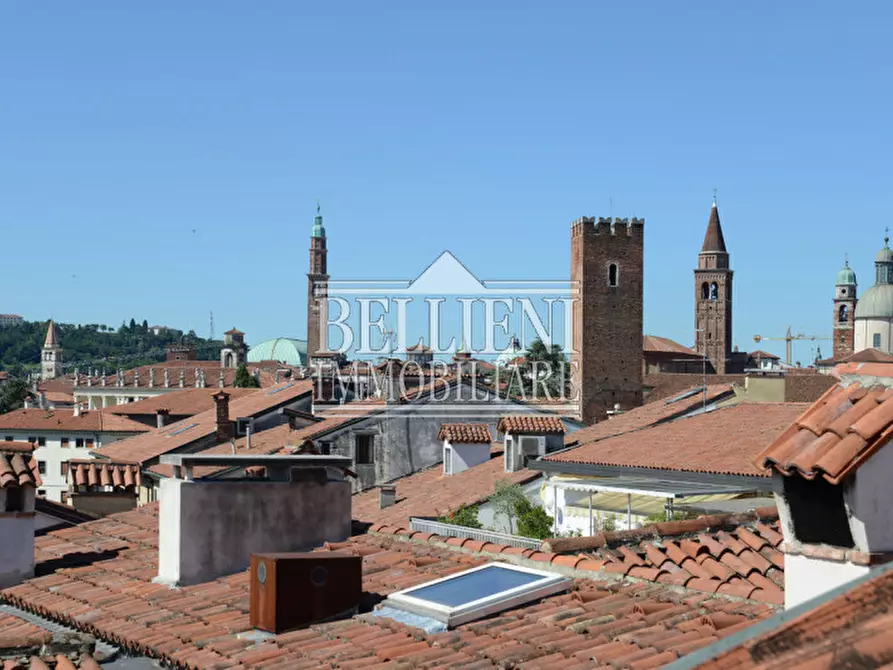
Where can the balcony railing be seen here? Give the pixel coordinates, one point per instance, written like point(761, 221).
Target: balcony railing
point(449, 530)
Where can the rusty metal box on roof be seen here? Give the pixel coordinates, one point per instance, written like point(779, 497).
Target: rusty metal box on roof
point(290, 590)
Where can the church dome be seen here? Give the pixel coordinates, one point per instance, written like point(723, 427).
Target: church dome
point(846, 277)
point(876, 303)
point(885, 255)
point(283, 349)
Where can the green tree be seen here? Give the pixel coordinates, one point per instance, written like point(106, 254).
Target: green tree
point(533, 521)
point(12, 395)
point(505, 500)
point(245, 379)
point(544, 373)
point(132, 326)
point(464, 516)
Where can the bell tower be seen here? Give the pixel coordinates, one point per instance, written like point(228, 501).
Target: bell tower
point(317, 290)
point(844, 312)
point(51, 355)
point(713, 297)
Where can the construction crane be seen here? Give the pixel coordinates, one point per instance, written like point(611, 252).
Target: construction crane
point(788, 339)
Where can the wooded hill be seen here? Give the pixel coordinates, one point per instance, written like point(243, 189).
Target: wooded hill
point(95, 346)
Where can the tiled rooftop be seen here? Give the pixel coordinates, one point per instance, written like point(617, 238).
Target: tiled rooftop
point(852, 630)
point(540, 424)
point(465, 433)
point(17, 465)
point(684, 402)
point(431, 493)
point(836, 435)
point(185, 402)
point(737, 555)
point(663, 345)
point(64, 419)
point(176, 435)
point(722, 441)
point(120, 476)
point(97, 577)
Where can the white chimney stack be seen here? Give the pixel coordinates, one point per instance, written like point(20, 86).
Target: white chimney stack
point(208, 529)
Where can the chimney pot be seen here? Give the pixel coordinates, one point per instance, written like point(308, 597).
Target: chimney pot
point(161, 417)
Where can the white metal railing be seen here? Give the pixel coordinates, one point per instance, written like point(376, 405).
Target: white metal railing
point(449, 530)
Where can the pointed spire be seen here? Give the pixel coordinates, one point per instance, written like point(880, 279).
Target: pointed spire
point(713, 239)
point(51, 340)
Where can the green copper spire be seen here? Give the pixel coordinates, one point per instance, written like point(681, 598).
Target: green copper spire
point(318, 229)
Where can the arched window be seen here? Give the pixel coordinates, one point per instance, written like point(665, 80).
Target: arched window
point(228, 360)
point(612, 274)
point(705, 291)
point(714, 291)
point(843, 314)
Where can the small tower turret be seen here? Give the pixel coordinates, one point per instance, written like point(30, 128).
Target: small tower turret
point(234, 351)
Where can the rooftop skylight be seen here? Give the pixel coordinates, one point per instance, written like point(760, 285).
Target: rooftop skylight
point(477, 593)
point(182, 430)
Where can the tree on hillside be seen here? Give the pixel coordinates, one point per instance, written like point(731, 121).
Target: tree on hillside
point(245, 379)
point(12, 395)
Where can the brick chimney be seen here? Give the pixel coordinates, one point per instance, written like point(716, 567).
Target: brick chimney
point(162, 415)
point(224, 425)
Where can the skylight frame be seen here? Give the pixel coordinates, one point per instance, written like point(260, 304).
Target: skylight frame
point(549, 584)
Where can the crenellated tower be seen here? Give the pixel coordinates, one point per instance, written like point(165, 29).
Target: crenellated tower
point(317, 289)
point(713, 297)
point(607, 262)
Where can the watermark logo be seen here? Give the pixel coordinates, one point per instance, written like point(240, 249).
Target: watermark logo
point(446, 340)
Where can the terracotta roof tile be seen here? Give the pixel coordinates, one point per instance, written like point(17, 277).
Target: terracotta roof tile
point(98, 473)
point(182, 402)
point(465, 433)
point(850, 630)
point(158, 441)
point(835, 435)
point(722, 441)
point(663, 345)
point(539, 424)
point(65, 420)
point(17, 465)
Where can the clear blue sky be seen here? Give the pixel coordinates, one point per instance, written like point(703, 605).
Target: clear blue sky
point(482, 128)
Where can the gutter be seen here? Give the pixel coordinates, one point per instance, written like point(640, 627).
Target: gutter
point(758, 483)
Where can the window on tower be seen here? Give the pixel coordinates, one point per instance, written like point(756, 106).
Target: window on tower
point(876, 340)
point(705, 291)
point(714, 291)
point(843, 314)
point(612, 274)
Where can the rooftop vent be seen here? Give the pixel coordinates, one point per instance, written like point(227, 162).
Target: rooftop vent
point(472, 594)
point(293, 590)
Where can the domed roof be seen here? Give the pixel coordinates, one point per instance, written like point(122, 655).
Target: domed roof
point(283, 349)
point(846, 276)
point(318, 229)
point(885, 255)
point(876, 303)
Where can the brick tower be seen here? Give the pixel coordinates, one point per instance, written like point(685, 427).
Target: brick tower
point(607, 259)
point(713, 298)
point(844, 312)
point(317, 282)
